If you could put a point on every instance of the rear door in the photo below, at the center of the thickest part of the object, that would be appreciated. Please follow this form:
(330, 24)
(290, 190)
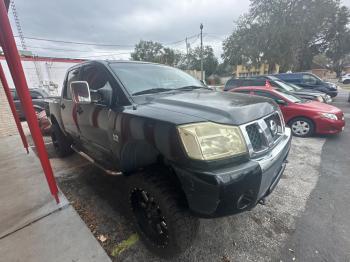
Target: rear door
(68, 107)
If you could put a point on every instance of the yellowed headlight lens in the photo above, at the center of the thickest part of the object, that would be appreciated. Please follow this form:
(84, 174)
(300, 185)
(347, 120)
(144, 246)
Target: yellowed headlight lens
(208, 141)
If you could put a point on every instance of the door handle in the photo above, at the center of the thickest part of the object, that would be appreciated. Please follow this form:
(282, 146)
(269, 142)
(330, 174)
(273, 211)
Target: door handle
(79, 110)
(63, 106)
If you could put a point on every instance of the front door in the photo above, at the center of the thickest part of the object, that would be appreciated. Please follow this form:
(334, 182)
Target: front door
(68, 107)
(95, 119)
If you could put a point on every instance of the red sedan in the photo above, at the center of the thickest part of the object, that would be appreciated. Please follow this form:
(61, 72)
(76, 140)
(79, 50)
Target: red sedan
(305, 117)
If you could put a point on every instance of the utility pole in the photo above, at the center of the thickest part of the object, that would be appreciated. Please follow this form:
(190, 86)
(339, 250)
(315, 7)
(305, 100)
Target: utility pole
(201, 27)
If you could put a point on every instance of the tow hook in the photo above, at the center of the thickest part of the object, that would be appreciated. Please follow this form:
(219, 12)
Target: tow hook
(262, 201)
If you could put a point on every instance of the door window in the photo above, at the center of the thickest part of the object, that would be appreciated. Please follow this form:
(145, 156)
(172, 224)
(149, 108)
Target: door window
(265, 94)
(309, 79)
(99, 83)
(73, 75)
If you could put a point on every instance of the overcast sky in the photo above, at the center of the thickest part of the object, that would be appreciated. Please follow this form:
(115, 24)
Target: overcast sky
(124, 23)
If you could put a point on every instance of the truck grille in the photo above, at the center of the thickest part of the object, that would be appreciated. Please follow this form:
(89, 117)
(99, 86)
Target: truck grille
(256, 137)
(264, 133)
(274, 124)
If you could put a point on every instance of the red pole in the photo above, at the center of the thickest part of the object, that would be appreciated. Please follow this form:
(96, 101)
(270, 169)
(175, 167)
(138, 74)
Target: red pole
(14, 62)
(13, 108)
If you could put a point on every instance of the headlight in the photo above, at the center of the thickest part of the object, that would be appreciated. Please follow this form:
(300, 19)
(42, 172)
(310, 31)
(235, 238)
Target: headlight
(329, 116)
(208, 141)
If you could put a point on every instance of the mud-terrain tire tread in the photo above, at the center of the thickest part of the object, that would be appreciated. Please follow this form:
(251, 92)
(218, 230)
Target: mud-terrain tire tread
(186, 225)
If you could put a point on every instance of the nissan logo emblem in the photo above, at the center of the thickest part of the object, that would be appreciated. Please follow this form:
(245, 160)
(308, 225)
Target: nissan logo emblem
(273, 127)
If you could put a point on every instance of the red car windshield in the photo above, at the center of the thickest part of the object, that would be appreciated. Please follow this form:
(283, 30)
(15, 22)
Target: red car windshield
(290, 97)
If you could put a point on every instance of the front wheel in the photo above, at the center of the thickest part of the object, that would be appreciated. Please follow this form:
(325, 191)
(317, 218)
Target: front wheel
(164, 225)
(302, 127)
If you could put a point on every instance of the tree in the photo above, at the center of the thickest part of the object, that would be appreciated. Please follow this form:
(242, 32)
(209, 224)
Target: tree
(147, 51)
(224, 69)
(210, 62)
(285, 32)
(337, 40)
(155, 52)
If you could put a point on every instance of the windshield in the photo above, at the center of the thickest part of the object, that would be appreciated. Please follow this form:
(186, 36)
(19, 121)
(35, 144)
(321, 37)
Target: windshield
(295, 86)
(139, 77)
(285, 86)
(289, 96)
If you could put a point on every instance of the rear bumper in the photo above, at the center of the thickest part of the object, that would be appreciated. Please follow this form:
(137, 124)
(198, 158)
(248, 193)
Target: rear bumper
(235, 189)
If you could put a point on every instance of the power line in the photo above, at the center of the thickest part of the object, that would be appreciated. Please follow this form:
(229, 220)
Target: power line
(183, 40)
(69, 50)
(98, 44)
(112, 54)
(73, 42)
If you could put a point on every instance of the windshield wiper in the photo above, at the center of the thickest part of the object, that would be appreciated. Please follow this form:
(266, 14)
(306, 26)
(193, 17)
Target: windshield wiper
(185, 88)
(152, 91)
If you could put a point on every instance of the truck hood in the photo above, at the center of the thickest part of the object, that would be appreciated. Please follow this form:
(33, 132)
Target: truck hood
(219, 107)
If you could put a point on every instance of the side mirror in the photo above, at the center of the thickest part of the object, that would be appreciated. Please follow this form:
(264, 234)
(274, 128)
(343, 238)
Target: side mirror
(80, 92)
(281, 102)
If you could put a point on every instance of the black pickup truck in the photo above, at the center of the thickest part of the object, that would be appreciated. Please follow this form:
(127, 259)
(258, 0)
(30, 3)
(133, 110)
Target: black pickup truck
(187, 151)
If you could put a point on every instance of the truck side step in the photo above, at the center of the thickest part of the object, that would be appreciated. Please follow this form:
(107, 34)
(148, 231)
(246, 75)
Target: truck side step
(90, 159)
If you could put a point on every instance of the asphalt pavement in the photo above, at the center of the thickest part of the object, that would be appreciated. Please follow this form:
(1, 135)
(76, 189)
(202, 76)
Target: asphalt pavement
(323, 231)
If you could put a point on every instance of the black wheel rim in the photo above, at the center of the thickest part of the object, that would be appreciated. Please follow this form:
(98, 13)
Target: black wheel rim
(149, 217)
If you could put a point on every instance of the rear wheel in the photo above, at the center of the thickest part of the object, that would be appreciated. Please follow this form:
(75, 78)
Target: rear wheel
(302, 127)
(164, 225)
(60, 142)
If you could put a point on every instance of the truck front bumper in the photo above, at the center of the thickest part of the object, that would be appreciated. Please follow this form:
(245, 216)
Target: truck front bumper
(237, 188)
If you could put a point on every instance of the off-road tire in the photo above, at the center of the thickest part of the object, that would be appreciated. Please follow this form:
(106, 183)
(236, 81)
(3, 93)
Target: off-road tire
(305, 120)
(61, 143)
(181, 228)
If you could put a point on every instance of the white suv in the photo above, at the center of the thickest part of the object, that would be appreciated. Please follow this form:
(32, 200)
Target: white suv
(345, 79)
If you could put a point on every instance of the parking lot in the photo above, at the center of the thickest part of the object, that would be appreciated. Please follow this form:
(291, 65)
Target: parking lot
(305, 219)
